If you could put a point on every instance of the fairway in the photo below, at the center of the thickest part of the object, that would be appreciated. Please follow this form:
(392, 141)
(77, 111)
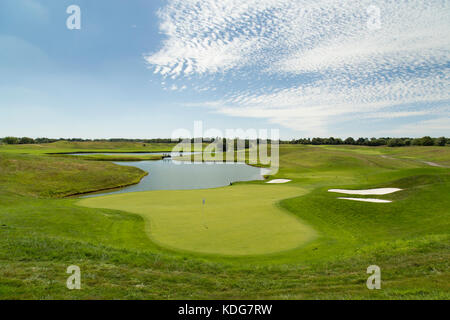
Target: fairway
(238, 220)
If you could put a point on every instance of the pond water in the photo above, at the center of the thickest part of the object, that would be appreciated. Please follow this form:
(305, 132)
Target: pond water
(179, 175)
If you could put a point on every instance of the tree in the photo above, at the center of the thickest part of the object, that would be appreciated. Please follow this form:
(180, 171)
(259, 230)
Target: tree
(427, 141)
(11, 140)
(360, 141)
(43, 140)
(317, 141)
(441, 141)
(349, 140)
(376, 142)
(26, 140)
(224, 145)
(395, 142)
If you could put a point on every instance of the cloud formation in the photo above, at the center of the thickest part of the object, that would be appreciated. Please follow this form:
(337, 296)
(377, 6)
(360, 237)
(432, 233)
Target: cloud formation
(338, 59)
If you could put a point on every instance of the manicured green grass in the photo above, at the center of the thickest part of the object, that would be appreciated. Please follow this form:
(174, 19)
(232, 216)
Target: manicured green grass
(41, 235)
(243, 220)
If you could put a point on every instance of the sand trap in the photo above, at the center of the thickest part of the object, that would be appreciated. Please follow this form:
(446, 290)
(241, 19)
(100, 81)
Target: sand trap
(367, 200)
(279, 181)
(381, 191)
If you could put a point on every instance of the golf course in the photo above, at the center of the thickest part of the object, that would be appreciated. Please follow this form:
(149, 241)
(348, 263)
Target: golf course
(307, 235)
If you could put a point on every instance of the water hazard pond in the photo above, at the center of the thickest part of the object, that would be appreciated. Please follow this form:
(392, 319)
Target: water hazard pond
(169, 174)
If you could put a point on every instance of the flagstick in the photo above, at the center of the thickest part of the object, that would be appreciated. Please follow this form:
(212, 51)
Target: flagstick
(203, 214)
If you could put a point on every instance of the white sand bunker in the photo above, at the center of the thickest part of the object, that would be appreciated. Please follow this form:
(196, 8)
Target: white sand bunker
(279, 181)
(379, 192)
(367, 200)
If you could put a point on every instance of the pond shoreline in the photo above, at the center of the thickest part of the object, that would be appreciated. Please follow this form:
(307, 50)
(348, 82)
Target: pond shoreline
(146, 171)
(80, 194)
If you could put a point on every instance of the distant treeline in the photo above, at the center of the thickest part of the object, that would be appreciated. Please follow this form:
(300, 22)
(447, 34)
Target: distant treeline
(223, 143)
(26, 140)
(390, 142)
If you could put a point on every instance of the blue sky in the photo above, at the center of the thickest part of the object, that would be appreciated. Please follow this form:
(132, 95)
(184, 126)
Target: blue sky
(142, 69)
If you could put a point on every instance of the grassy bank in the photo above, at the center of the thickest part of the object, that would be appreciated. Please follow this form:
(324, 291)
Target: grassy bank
(115, 158)
(46, 176)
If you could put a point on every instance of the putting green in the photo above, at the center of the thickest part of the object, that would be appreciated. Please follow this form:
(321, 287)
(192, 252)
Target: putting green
(237, 220)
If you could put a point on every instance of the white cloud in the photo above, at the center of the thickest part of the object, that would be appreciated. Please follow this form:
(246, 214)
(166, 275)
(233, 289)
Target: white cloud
(432, 127)
(358, 72)
(312, 108)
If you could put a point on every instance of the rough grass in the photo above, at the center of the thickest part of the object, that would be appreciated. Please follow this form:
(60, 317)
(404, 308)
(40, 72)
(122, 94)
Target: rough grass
(76, 147)
(409, 239)
(45, 176)
(62, 147)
